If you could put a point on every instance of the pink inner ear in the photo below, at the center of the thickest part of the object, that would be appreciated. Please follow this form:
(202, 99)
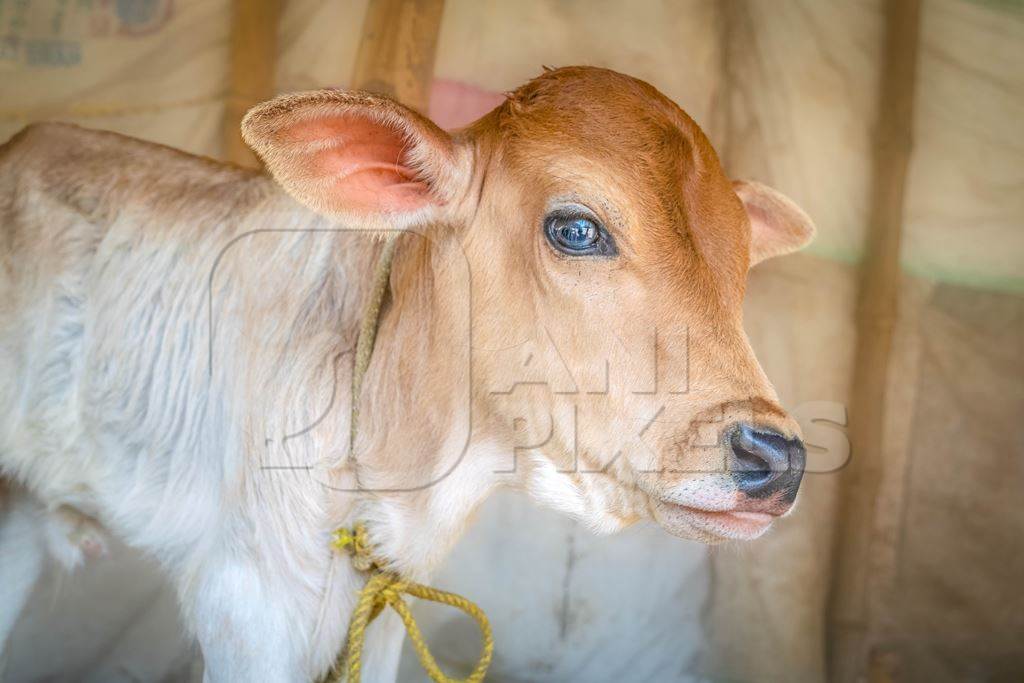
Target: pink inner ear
(777, 225)
(763, 224)
(364, 165)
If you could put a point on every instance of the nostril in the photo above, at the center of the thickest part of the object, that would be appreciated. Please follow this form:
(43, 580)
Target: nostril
(760, 458)
(749, 465)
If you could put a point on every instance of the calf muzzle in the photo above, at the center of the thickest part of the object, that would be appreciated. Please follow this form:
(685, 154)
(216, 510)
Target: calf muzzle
(764, 463)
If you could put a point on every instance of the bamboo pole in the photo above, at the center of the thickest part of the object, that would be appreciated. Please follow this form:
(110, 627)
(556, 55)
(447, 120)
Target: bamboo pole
(253, 57)
(877, 311)
(397, 50)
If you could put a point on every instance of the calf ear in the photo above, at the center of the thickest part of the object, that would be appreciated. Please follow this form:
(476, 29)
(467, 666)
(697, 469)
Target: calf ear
(777, 225)
(355, 155)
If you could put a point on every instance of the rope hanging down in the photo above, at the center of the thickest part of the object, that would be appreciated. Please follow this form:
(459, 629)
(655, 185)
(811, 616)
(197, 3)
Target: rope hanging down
(384, 588)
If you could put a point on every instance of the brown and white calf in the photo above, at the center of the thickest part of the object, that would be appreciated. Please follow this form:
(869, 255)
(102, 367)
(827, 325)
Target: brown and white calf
(564, 317)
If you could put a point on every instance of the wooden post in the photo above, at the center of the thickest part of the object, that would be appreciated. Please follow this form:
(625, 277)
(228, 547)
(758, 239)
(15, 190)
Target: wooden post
(253, 55)
(877, 310)
(397, 50)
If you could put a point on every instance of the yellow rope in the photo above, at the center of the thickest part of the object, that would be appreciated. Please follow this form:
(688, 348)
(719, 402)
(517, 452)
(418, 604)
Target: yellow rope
(368, 329)
(384, 589)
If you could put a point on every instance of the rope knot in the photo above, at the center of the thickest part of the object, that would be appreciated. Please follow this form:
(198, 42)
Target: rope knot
(356, 543)
(385, 589)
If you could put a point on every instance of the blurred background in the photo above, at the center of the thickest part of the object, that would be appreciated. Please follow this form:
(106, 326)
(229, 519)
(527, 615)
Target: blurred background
(897, 337)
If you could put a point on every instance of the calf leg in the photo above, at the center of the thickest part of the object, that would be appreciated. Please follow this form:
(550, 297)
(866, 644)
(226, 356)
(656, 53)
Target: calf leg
(383, 648)
(249, 627)
(22, 554)
(254, 624)
(28, 534)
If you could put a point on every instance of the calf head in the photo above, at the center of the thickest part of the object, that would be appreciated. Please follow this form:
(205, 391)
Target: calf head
(609, 254)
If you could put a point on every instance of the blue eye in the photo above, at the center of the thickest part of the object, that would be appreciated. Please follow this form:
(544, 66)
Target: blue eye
(578, 235)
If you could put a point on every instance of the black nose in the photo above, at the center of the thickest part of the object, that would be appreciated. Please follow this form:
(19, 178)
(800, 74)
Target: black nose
(764, 463)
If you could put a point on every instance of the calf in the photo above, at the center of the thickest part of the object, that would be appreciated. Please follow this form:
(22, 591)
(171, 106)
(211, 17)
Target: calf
(563, 317)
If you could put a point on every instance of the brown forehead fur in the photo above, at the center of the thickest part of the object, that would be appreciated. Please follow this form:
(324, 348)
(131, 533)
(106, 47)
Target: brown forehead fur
(694, 230)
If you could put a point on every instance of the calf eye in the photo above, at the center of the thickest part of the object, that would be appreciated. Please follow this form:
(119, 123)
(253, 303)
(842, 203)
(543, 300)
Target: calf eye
(578, 234)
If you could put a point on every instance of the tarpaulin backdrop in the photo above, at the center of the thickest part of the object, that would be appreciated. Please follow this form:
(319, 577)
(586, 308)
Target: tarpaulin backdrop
(787, 91)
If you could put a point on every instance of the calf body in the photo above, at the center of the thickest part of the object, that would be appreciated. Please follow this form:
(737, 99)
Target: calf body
(115, 251)
(177, 340)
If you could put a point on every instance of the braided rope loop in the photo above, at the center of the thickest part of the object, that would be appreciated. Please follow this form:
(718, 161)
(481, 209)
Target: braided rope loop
(384, 589)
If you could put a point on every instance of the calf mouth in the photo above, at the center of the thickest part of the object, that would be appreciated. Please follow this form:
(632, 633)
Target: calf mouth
(739, 525)
(743, 522)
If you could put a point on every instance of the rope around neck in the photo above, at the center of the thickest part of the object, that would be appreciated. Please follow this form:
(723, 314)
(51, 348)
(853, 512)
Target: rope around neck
(383, 588)
(368, 331)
